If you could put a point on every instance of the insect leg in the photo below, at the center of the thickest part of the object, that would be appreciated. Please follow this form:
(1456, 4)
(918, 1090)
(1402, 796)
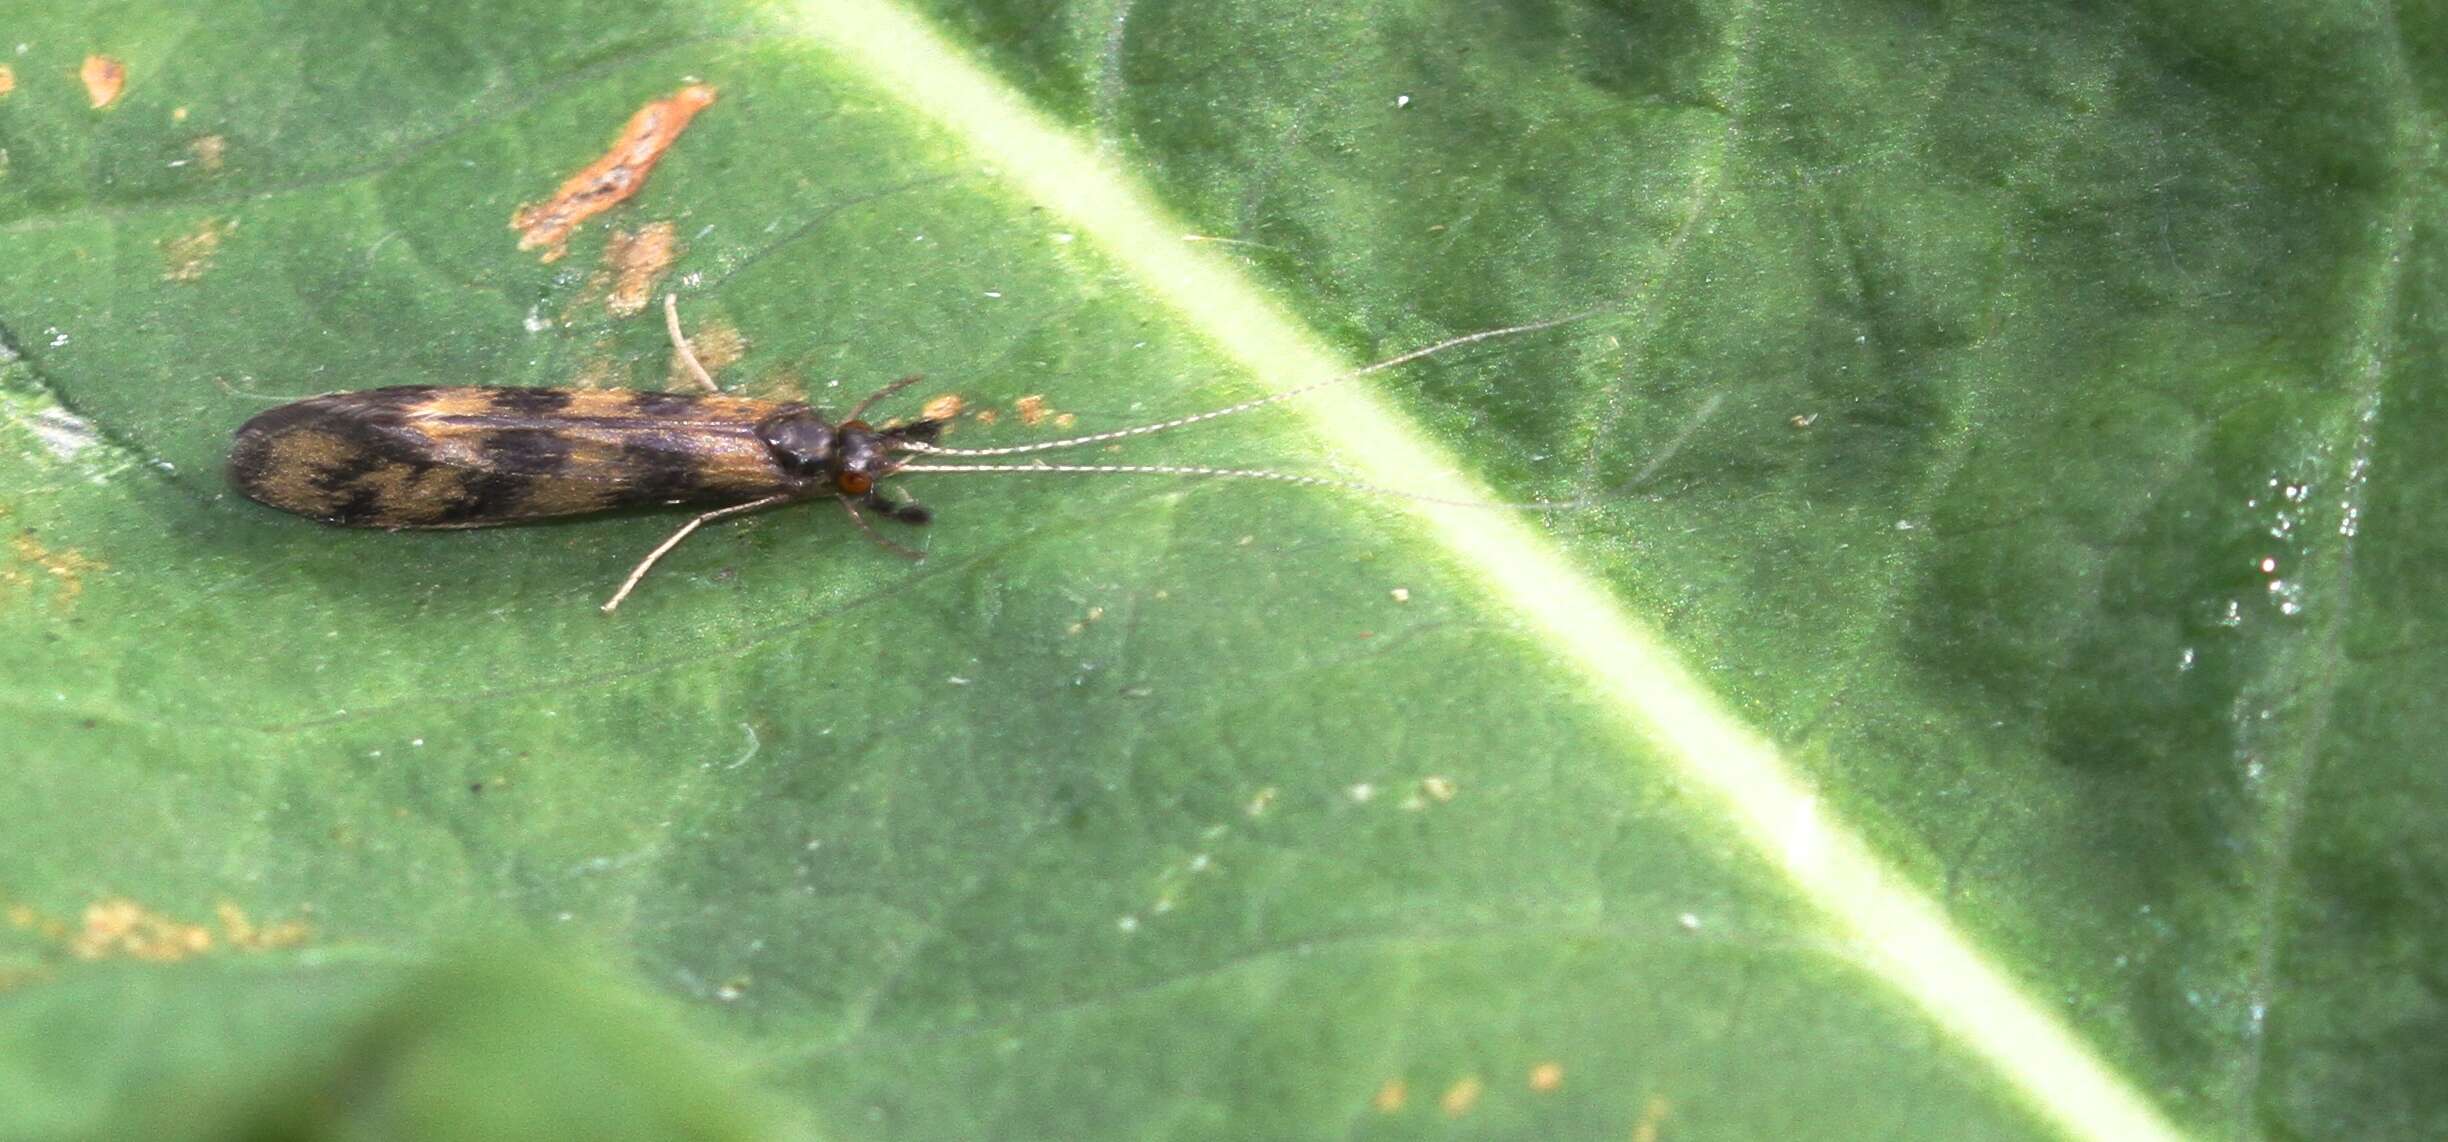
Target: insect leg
(881, 393)
(688, 356)
(652, 557)
(852, 506)
(899, 511)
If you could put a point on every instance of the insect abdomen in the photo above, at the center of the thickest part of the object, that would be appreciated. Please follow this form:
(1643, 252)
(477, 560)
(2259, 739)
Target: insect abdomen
(425, 456)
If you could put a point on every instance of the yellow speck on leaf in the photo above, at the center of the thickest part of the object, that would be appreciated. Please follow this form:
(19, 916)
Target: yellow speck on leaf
(1391, 1096)
(190, 254)
(8, 79)
(1462, 1096)
(244, 933)
(68, 567)
(208, 151)
(103, 77)
(119, 928)
(1032, 409)
(1652, 1117)
(25, 919)
(1547, 1078)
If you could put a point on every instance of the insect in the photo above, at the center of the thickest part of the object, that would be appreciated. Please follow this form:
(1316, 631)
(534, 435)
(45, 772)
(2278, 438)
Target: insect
(428, 456)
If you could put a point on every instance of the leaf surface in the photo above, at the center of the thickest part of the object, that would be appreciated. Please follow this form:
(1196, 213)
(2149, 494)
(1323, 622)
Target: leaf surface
(1989, 699)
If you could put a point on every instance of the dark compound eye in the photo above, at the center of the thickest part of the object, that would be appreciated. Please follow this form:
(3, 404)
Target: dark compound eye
(801, 443)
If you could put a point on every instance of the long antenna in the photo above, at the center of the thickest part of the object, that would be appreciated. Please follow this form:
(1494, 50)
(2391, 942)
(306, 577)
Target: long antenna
(1707, 409)
(1245, 474)
(1257, 403)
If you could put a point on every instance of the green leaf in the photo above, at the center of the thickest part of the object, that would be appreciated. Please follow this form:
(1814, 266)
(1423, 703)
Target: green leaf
(1989, 700)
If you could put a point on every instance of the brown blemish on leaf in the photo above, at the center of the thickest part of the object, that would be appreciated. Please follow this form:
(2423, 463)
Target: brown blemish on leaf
(103, 77)
(612, 179)
(637, 261)
(988, 416)
(943, 407)
(1066, 420)
(1032, 409)
(719, 346)
(68, 566)
(8, 79)
(190, 254)
(1461, 1097)
(1547, 1078)
(1390, 1096)
(208, 151)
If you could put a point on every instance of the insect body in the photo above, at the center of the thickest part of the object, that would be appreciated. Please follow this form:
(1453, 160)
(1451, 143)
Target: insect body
(434, 457)
(424, 456)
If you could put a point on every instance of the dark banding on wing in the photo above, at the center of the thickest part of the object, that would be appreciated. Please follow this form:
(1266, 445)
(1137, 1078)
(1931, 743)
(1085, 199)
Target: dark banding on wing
(531, 402)
(501, 490)
(666, 404)
(490, 497)
(657, 474)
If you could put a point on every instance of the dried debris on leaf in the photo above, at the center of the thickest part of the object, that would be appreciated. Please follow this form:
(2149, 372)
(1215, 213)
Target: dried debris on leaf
(612, 179)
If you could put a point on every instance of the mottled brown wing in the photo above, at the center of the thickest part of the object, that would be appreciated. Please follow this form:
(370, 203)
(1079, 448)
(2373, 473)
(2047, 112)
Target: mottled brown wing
(428, 456)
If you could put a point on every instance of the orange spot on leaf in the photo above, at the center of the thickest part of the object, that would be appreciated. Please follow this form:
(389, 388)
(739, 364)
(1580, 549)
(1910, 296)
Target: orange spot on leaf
(103, 77)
